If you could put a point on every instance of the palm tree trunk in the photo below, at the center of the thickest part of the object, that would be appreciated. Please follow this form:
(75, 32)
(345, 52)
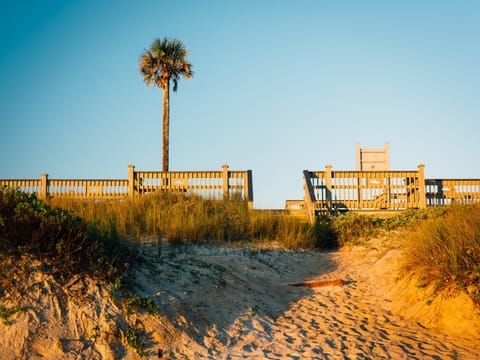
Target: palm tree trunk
(166, 125)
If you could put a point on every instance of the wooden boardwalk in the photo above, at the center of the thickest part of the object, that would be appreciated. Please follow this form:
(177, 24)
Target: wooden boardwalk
(379, 191)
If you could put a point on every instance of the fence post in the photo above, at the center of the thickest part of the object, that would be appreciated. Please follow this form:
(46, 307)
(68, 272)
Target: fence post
(249, 189)
(131, 181)
(44, 186)
(309, 196)
(225, 181)
(328, 184)
(422, 194)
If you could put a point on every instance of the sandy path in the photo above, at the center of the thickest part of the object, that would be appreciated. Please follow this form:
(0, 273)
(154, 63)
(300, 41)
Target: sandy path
(223, 303)
(255, 314)
(349, 322)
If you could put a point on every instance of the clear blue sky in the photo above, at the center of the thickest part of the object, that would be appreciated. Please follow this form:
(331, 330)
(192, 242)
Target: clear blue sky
(280, 86)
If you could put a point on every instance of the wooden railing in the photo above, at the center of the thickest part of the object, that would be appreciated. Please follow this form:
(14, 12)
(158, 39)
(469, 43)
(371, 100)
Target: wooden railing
(87, 189)
(309, 197)
(452, 191)
(26, 185)
(338, 191)
(215, 185)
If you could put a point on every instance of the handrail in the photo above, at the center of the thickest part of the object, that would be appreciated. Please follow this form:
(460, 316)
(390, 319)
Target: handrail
(309, 196)
(333, 191)
(216, 185)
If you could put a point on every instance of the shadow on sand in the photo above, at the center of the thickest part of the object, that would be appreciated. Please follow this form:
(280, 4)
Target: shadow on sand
(207, 290)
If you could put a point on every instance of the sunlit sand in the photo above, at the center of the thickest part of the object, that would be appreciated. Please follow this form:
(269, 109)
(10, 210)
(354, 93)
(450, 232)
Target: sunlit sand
(218, 302)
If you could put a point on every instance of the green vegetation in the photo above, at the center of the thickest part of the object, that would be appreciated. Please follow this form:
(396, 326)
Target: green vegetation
(63, 240)
(442, 244)
(179, 218)
(444, 251)
(355, 229)
(6, 313)
(165, 60)
(136, 303)
(133, 335)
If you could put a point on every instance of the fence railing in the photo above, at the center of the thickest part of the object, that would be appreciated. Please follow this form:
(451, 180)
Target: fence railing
(26, 185)
(452, 191)
(215, 185)
(332, 191)
(88, 189)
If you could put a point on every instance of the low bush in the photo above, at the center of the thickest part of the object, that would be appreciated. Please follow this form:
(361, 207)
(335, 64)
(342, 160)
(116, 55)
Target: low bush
(413, 216)
(29, 225)
(354, 229)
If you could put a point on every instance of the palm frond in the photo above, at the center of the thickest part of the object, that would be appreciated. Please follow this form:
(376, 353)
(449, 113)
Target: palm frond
(165, 60)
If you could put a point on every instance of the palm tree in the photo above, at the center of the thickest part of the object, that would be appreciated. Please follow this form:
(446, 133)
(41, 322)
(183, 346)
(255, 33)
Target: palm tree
(165, 60)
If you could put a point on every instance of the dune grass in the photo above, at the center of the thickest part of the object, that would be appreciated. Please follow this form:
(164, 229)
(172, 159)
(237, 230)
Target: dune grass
(445, 251)
(442, 245)
(169, 216)
(179, 218)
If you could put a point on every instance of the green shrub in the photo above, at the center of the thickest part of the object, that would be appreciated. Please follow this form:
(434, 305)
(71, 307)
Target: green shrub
(29, 225)
(133, 335)
(136, 303)
(325, 234)
(413, 216)
(353, 229)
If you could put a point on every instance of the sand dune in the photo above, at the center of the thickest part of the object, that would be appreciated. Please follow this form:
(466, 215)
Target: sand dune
(256, 314)
(224, 303)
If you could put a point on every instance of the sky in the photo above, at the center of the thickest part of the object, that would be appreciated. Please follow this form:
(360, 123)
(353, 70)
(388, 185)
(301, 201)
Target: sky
(280, 86)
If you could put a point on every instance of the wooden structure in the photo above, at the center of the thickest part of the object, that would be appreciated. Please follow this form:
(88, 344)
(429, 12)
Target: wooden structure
(452, 191)
(374, 191)
(217, 185)
(373, 159)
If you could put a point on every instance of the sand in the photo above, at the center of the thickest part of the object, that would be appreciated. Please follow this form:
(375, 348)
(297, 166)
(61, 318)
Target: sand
(230, 303)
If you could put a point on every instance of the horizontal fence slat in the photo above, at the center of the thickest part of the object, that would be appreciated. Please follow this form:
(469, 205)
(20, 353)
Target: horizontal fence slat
(384, 190)
(364, 190)
(216, 185)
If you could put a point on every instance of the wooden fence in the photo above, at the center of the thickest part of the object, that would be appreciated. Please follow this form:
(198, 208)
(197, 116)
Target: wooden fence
(338, 191)
(215, 185)
(450, 191)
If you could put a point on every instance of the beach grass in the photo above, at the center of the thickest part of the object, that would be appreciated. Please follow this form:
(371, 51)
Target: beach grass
(441, 244)
(444, 251)
(179, 218)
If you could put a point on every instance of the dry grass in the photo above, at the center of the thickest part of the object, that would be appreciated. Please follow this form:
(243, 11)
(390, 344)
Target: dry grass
(445, 251)
(442, 244)
(178, 218)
